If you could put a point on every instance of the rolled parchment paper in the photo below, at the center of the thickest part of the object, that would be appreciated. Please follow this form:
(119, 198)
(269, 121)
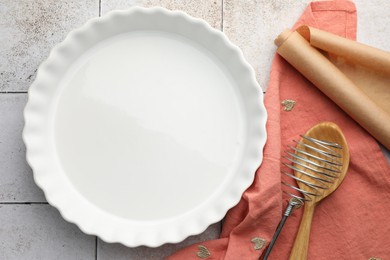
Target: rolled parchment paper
(356, 53)
(367, 67)
(324, 74)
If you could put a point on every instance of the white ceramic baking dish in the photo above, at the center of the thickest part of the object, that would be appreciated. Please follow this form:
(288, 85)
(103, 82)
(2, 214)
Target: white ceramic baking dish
(144, 126)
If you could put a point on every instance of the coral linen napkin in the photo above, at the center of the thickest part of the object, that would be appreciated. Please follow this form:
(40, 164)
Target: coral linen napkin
(353, 223)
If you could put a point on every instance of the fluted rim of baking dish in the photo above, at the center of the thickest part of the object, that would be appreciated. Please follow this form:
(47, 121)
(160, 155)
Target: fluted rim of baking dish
(73, 207)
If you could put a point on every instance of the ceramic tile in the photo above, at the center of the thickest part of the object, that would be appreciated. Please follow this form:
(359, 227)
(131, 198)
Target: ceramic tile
(118, 252)
(209, 10)
(16, 179)
(373, 23)
(29, 29)
(38, 232)
(253, 26)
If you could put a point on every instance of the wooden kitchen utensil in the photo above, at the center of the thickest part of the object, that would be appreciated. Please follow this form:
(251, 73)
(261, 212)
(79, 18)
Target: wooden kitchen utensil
(333, 134)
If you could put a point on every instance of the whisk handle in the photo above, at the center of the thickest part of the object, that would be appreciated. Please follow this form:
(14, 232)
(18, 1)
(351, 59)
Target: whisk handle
(276, 235)
(301, 244)
(292, 204)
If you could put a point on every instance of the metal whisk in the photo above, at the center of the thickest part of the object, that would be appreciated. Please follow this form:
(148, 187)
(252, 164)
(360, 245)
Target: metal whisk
(316, 167)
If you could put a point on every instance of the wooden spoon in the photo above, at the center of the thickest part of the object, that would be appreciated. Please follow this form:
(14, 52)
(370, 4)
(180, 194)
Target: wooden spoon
(323, 131)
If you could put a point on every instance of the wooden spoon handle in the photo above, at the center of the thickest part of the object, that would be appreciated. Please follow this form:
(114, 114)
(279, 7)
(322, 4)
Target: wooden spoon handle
(301, 244)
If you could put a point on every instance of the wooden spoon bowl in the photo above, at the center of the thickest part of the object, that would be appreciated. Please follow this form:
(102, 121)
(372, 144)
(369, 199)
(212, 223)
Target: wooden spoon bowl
(332, 133)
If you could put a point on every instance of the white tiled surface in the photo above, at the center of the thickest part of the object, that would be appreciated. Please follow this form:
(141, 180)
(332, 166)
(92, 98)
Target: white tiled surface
(29, 29)
(38, 232)
(29, 227)
(16, 180)
(253, 25)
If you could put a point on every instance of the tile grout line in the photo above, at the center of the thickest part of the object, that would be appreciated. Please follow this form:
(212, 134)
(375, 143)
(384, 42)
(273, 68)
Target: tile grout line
(96, 248)
(23, 203)
(96, 239)
(222, 15)
(13, 92)
(100, 8)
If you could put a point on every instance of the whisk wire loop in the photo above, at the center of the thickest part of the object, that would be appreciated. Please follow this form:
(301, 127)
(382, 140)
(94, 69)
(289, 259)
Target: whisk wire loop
(311, 185)
(325, 161)
(300, 190)
(302, 171)
(302, 164)
(326, 144)
(329, 153)
(316, 164)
